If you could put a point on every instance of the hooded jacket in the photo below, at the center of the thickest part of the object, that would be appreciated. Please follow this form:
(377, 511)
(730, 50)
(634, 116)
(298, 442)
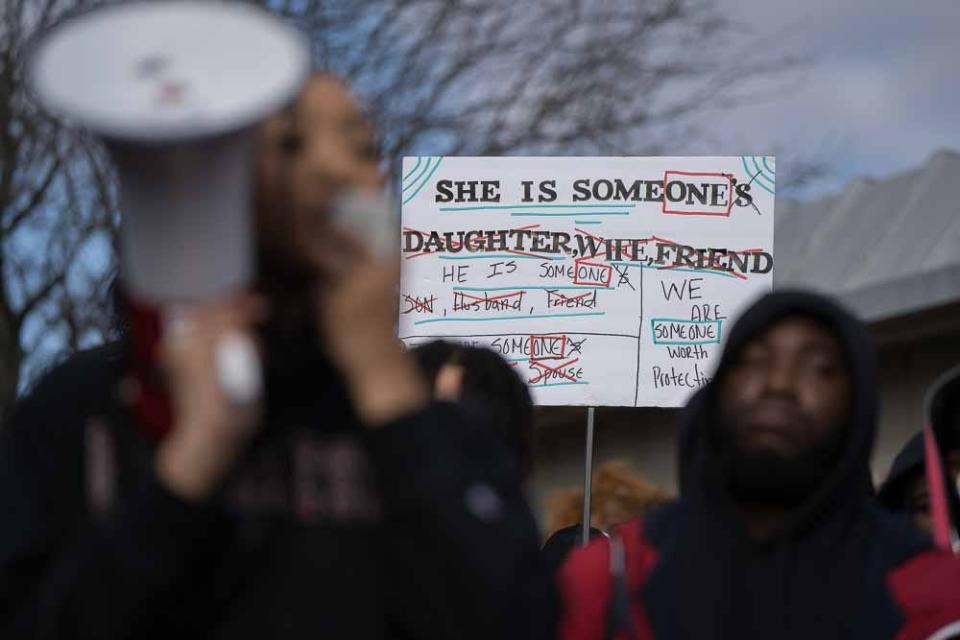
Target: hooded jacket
(908, 465)
(692, 571)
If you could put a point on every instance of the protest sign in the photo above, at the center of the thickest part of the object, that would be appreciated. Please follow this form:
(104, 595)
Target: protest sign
(604, 281)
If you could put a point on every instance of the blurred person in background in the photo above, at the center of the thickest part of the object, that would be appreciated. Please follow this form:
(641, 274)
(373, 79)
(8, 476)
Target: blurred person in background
(342, 507)
(905, 488)
(487, 388)
(617, 495)
(776, 533)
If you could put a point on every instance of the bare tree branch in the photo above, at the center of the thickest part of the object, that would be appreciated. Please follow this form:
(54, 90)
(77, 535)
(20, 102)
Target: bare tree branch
(484, 77)
(54, 197)
(36, 198)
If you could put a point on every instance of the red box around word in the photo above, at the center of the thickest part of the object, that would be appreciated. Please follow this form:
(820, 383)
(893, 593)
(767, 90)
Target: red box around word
(727, 177)
(563, 347)
(582, 262)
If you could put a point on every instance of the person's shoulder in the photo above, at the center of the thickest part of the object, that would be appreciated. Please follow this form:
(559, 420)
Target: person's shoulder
(927, 589)
(585, 588)
(83, 383)
(662, 521)
(586, 579)
(562, 542)
(927, 568)
(590, 563)
(587, 570)
(895, 537)
(85, 368)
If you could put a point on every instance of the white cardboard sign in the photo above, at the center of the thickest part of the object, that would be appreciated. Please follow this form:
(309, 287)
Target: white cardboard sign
(604, 281)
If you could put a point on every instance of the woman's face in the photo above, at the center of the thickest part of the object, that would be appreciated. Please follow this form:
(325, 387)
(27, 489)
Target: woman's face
(308, 154)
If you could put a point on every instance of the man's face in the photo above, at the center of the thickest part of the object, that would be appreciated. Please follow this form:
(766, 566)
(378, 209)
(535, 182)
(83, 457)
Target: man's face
(783, 404)
(308, 155)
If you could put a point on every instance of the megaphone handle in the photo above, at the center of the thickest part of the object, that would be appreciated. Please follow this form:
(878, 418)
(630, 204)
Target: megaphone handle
(238, 369)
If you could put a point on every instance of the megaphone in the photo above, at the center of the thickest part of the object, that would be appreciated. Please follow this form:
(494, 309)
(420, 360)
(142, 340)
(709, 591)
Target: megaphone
(175, 90)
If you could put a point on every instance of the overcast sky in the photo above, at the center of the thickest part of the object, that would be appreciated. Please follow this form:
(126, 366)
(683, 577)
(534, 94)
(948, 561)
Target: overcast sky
(880, 94)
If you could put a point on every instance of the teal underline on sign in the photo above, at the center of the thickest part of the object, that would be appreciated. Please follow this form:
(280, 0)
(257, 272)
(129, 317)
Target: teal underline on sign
(412, 171)
(684, 321)
(757, 175)
(762, 176)
(509, 256)
(674, 343)
(494, 207)
(423, 184)
(518, 288)
(589, 221)
(627, 263)
(710, 271)
(569, 215)
(420, 175)
(556, 384)
(528, 317)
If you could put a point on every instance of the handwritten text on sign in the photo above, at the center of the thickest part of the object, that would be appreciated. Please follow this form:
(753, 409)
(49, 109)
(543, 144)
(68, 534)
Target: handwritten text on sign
(604, 281)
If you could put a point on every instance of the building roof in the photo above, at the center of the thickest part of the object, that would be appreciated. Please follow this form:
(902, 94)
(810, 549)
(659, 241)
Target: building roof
(886, 247)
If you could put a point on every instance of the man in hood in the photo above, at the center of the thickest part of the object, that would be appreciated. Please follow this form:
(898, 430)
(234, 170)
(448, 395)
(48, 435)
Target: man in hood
(776, 533)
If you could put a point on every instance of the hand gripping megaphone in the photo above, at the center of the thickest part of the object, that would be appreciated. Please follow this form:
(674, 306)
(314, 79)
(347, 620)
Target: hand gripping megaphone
(175, 90)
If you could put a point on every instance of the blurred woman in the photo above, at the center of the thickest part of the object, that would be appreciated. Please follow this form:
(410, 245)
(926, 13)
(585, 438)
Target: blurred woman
(340, 507)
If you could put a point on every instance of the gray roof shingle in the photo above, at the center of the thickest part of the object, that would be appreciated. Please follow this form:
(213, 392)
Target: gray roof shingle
(886, 247)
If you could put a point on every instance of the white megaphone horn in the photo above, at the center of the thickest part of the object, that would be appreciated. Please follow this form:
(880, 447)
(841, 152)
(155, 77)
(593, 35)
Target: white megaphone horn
(175, 90)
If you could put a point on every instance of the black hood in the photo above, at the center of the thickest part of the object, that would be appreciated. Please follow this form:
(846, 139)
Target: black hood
(849, 482)
(943, 409)
(907, 465)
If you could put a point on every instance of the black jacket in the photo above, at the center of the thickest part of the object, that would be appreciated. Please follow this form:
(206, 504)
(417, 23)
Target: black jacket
(418, 529)
(824, 574)
(908, 465)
